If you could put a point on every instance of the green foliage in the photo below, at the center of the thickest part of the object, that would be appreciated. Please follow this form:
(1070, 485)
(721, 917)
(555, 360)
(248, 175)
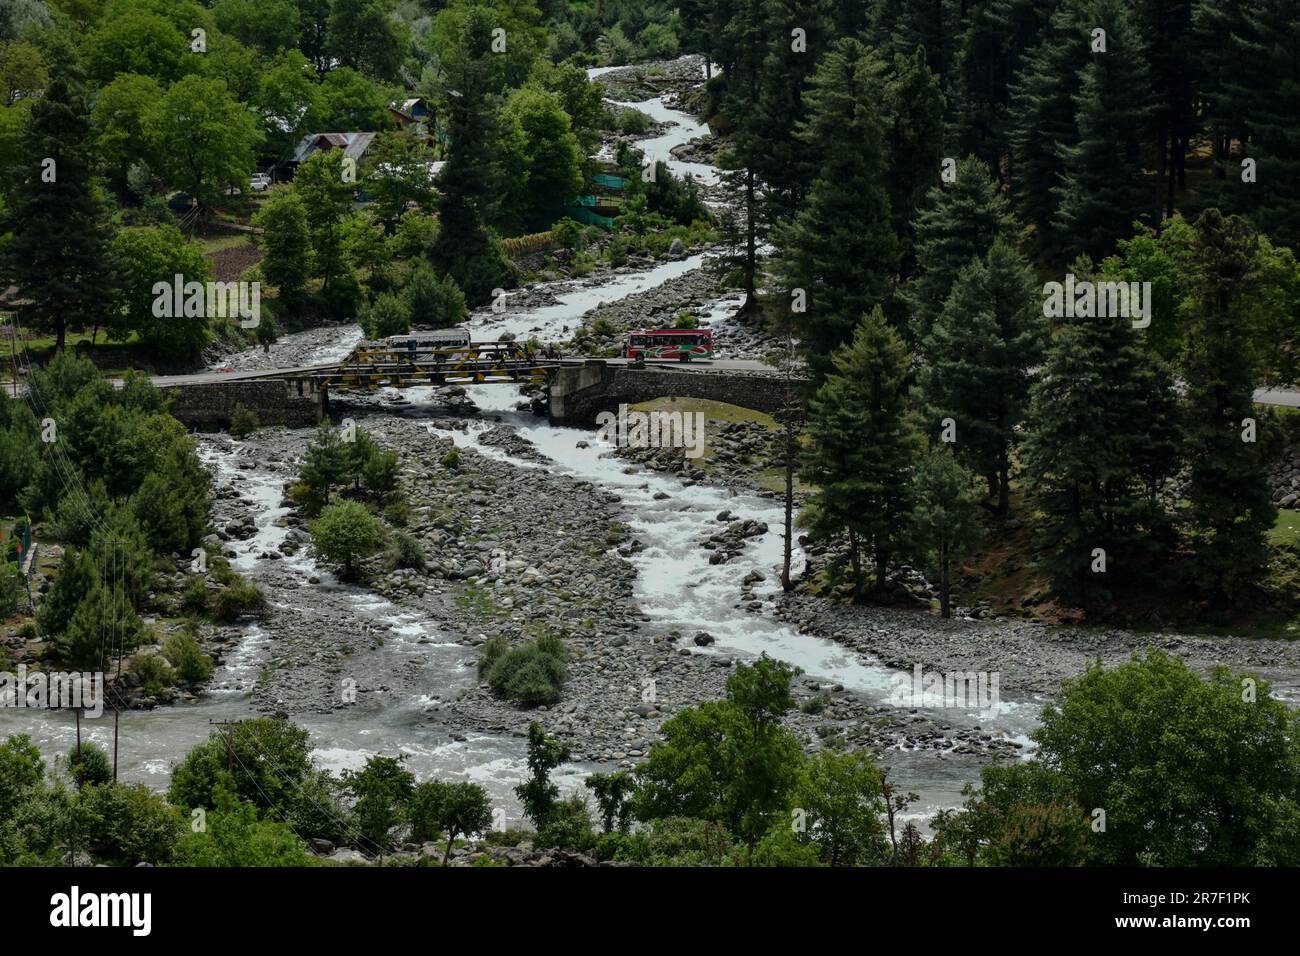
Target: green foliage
(945, 521)
(960, 222)
(144, 257)
(433, 301)
(530, 674)
(541, 158)
(386, 315)
(382, 792)
(453, 809)
(840, 249)
(407, 552)
(1190, 772)
(1231, 510)
(237, 598)
(89, 764)
(58, 254)
(271, 761)
(981, 351)
(670, 841)
(730, 761)
(1102, 438)
(613, 792)
(345, 533)
(243, 421)
(204, 139)
(182, 651)
(126, 824)
(842, 800)
(12, 591)
(862, 446)
(568, 826)
(103, 626)
(1104, 186)
(154, 673)
(537, 793)
(326, 199)
(235, 835)
(285, 242)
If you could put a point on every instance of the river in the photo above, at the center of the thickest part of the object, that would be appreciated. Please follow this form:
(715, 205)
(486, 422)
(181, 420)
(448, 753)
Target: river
(676, 586)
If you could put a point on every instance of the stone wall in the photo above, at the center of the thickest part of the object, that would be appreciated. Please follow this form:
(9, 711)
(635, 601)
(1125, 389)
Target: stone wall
(296, 403)
(579, 393)
(1284, 479)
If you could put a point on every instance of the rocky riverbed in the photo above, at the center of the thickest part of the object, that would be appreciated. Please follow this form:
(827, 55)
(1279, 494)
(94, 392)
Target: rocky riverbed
(512, 551)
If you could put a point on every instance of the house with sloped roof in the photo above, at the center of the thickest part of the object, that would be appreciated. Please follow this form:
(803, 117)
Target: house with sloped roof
(354, 146)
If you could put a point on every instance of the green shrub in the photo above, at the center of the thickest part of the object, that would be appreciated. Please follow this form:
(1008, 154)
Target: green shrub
(568, 233)
(11, 588)
(154, 673)
(568, 826)
(182, 651)
(633, 122)
(243, 421)
(89, 765)
(237, 599)
(407, 552)
(346, 533)
(194, 597)
(387, 315)
(617, 252)
(530, 674)
(493, 651)
(670, 841)
(431, 300)
(126, 824)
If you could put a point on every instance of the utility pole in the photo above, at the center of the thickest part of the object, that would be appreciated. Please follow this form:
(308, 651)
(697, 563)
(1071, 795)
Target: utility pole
(225, 726)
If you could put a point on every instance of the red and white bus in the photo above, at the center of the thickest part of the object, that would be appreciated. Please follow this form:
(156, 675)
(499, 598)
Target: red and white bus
(681, 345)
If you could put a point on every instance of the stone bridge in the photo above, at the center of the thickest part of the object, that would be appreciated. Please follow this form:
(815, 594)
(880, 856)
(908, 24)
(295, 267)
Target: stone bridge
(578, 393)
(578, 390)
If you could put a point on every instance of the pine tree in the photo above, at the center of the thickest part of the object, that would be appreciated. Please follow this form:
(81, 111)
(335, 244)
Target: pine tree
(58, 257)
(989, 52)
(960, 222)
(914, 144)
(841, 250)
(463, 247)
(862, 447)
(899, 26)
(1231, 510)
(1219, 28)
(1042, 123)
(1104, 187)
(981, 352)
(1166, 26)
(1273, 117)
(748, 35)
(785, 165)
(945, 522)
(1101, 444)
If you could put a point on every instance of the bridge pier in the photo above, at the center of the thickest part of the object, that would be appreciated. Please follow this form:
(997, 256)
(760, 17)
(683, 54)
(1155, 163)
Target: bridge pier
(296, 402)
